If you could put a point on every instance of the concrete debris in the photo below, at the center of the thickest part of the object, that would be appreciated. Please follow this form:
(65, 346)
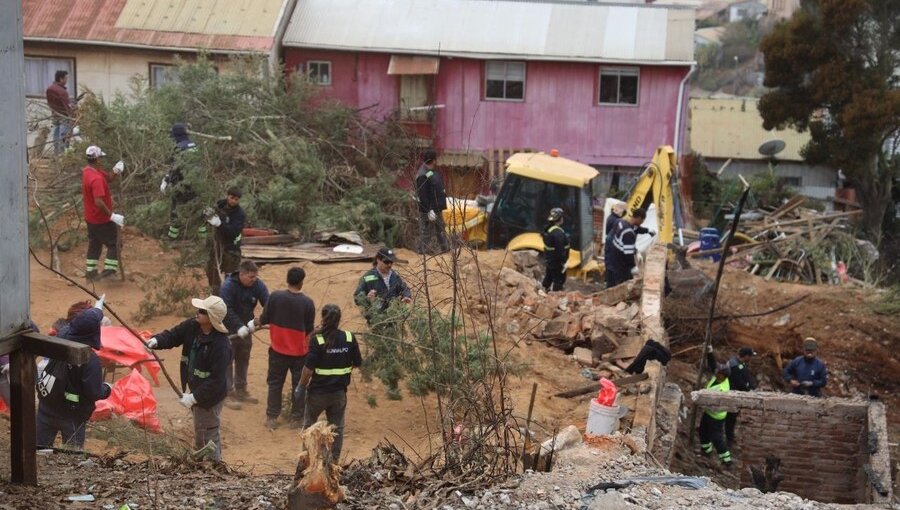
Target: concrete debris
(782, 321)
(567, 438)
(590, 325)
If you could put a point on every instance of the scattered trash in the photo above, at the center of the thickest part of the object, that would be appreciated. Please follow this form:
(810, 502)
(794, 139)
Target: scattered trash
(86, 498)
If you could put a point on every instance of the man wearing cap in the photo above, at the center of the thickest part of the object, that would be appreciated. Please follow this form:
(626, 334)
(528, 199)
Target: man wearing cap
(380, 285)
(556, 251)
(242, 292)
(102, 223)
(712, 423)
(739, 379)
(333, 354)
(432, 202)
(620, 248)
(807, 374)
(205, 354)
(228, 219)
(184, 157)
(84, 386)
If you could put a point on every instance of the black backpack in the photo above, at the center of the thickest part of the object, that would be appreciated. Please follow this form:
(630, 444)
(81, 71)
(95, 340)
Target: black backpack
(53, 383)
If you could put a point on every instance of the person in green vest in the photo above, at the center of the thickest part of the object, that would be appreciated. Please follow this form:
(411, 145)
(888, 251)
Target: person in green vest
(712, 424)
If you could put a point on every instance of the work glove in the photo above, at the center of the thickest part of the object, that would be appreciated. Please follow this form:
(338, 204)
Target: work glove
(652, 233)
(163, 185)
(215, 221)
(188, 400)
(152, 343)
(244, 332)
(99, 304)
(709, 348)
(251, 325)
(432, 216)
(806, 383)
(108, 386)
(118, 219)
(119, 167)
(635, 271)
(4, 369)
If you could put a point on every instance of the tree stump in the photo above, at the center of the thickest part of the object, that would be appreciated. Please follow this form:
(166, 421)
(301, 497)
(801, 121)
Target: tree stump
(317, 479)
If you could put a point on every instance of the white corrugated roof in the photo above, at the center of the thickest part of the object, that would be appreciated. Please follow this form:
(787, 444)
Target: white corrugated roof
(533, 30)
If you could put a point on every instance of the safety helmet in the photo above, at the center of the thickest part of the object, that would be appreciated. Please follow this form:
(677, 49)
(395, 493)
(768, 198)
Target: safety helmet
(556, 214)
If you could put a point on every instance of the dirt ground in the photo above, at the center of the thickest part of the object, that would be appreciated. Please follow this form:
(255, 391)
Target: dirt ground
(247, 442)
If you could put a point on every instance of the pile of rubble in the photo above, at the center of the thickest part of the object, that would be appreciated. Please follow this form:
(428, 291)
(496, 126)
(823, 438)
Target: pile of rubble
(597, 328)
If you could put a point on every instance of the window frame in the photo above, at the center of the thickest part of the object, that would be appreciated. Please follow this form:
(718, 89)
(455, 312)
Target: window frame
(317, 80)
(505, 99)
(71, 85)
(619, 71)
(151, 65)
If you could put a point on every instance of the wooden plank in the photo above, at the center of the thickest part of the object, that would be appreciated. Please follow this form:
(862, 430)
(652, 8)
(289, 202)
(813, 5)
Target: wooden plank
(584, 390)
(10, 344)
(315, 252)
(22, 427)
(789, 206)
(56, 348)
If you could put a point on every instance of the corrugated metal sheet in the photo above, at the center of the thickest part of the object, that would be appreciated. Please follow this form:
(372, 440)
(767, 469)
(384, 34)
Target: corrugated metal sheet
(598, 32)
(217, 25)
(732, 128)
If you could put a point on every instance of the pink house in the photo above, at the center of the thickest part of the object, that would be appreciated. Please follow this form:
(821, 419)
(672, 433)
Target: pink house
(603, 83)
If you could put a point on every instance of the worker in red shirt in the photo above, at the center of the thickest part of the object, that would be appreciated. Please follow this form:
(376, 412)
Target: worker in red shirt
(102, 223)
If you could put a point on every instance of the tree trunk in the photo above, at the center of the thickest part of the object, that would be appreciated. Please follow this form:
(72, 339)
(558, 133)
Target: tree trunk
(873, 187)
(317, 479)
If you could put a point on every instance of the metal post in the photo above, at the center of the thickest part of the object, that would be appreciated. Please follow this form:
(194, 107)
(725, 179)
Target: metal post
(14, 234)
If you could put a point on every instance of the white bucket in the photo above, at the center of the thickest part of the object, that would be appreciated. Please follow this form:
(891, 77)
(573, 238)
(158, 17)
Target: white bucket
(602, 420)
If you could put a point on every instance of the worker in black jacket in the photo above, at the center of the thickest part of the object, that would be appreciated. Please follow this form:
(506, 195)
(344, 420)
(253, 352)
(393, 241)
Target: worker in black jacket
(332, 356)
(84, 386)
(620, 248)
(739, 379)
(228, 218)
(432, 202)
(556, 251)
(205, 354)
(184, 158)
(380, 285)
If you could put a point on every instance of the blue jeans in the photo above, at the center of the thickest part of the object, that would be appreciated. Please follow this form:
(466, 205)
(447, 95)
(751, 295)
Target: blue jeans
(61, 130)
(49, 425)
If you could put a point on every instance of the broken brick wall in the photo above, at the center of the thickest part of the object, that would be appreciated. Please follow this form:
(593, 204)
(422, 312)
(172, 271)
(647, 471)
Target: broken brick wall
(823, 443)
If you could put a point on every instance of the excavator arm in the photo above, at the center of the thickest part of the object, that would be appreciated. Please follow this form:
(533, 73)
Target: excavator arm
(655, 185)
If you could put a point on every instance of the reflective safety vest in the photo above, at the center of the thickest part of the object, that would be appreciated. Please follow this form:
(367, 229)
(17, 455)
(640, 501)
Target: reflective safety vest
(723, 387)
(334, 371)
(549, 231)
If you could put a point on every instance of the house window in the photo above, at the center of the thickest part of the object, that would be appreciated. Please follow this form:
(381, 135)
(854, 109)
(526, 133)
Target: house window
(619, 85)
(161, 74)
(40, 71)
(319, 72)
(505, 81)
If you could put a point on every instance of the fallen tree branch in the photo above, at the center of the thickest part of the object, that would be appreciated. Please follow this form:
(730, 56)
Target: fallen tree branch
(114, 314)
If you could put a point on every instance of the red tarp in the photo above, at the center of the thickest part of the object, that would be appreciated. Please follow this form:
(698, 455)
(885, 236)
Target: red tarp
(122, 348)
(131, 397)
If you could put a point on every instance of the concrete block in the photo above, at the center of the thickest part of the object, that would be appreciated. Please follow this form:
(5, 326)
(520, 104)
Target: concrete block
(583, 356)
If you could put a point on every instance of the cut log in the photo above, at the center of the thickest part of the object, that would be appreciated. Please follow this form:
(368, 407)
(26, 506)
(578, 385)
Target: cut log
(317, 480)
(584, 390)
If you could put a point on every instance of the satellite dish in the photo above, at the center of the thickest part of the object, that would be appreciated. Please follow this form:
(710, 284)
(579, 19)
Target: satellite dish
(771, 148)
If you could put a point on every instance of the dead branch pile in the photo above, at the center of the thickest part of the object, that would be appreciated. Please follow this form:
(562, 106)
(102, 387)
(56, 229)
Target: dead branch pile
(800, 245)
